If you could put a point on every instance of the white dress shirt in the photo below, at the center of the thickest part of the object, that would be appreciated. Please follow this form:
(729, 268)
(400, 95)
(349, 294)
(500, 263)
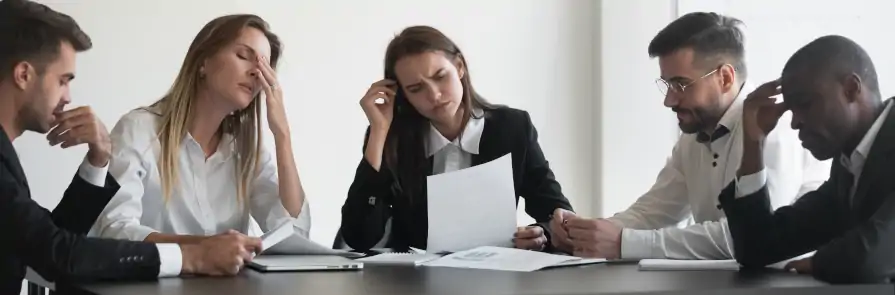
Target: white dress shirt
(205, 201)
(457, 154)
(854, 163)
(691, 181)
(171, 259)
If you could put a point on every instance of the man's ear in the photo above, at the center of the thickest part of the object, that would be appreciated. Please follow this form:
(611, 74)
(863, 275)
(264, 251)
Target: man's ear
(461, 67)
(853, 88)
(23, 73)
(728, 77)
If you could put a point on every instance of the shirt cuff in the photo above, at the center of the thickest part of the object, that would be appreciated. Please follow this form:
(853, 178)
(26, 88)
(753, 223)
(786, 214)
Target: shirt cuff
(93, 175)
(638, 243)
(171, 260)
(749, 184)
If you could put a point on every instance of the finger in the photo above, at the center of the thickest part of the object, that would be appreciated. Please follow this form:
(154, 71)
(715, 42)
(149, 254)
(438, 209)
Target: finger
(265, 85)
(269, 75)
(384, 83)
(380, 91)
(232, 232)
(76, 112)
(529, 232)
(530, 244)
(246, 255)
(253, 244)
(68, 124)
(580, 223)
(74, 137)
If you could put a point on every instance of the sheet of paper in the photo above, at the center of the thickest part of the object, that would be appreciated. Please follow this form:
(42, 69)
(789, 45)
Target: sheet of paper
(287, 240)
(499, 258)
(472, 207)
(671, 264)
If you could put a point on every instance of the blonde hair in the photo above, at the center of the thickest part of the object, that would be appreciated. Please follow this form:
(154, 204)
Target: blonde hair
(177, 106)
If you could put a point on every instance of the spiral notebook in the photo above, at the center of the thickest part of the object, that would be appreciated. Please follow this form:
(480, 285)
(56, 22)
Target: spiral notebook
(415, 257)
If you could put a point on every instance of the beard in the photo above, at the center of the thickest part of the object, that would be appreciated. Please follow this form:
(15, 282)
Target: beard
(33, 116)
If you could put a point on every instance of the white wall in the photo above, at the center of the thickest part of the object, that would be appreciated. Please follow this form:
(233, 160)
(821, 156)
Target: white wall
(635, 130)
(531, 54)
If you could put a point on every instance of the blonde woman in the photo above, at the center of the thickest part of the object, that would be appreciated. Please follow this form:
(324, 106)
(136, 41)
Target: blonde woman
(192, 165)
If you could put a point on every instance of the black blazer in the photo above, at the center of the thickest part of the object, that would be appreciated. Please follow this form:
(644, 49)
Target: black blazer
(854, 239)
(53, 244)
(506, 131)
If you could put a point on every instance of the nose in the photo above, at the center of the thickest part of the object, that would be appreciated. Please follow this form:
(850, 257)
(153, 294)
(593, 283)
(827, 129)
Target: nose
(66, 98)
(796, 122)
(434, 94)
(671, 100)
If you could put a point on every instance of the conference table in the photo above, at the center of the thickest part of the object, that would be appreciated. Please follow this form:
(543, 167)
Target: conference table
(609, 278)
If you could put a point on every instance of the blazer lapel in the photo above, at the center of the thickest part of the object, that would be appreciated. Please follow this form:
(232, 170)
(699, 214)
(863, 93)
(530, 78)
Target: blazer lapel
(876, 164)
(10, 159)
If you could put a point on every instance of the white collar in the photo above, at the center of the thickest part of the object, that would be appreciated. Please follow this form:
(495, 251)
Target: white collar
(468, 141)
(862, 151)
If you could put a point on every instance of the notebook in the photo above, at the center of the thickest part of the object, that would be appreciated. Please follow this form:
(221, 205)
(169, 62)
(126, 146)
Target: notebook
(672, 264)
(270, 263)
(414, 257)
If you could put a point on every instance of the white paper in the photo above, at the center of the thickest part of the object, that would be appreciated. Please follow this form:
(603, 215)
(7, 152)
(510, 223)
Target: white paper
(472, 207)
(507, 259)
(286, 239)
(671, 264)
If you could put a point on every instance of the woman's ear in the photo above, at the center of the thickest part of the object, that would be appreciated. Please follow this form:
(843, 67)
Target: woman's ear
(461, 67)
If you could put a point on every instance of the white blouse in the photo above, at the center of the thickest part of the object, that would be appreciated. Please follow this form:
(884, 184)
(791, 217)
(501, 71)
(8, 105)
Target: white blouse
(204, 202)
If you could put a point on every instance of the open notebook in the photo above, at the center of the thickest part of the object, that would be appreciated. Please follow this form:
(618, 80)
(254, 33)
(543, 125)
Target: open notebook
(414, 257)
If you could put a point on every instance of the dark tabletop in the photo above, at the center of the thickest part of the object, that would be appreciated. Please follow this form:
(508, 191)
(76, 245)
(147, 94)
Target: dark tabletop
(592, 279)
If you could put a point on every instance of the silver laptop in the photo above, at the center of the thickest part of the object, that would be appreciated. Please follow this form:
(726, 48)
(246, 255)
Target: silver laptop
(270, 263)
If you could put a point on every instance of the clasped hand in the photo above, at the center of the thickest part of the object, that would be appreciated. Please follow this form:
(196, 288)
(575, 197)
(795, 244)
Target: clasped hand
(585, 237)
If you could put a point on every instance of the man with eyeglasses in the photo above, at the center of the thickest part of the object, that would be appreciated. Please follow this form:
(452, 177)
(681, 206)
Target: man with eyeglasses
(703, 79)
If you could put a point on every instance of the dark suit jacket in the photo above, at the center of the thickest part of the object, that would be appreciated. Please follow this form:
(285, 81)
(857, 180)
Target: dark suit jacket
(53, 243)
(855, 240)
(506, 131)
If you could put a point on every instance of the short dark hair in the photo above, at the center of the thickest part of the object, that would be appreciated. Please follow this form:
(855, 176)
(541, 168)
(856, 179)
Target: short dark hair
(713, 38)
(33, 32)
(833, 57)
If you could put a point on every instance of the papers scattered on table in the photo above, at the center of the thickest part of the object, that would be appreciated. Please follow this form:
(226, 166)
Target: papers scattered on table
(287, 239)
(507, 259)
(671, 264)
(485, 198)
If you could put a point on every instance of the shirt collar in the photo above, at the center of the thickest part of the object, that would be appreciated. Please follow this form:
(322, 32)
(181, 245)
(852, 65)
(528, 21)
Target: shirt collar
(468, 141)
(859, 155)
(732, 116)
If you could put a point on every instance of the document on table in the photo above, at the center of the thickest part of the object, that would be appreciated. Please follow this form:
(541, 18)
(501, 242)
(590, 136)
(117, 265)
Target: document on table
(286, 239)
(472, 207)
(672, 264)
(508, 259)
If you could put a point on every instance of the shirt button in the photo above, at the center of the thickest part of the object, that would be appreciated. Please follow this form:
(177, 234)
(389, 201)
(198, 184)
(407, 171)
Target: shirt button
(716, 155)
(714, 164)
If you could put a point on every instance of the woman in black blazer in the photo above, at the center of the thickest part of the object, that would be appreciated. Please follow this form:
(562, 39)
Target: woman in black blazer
(425, 118)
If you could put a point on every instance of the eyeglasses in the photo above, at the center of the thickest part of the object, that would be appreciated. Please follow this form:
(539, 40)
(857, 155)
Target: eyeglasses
(677, 87)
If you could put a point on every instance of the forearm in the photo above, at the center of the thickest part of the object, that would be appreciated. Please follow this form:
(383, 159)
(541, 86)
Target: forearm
(703, 241)
(290, 190)
(375, 146)
(160, 238)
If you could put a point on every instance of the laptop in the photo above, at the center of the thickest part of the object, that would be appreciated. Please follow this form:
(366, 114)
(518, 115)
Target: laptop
(273, 263)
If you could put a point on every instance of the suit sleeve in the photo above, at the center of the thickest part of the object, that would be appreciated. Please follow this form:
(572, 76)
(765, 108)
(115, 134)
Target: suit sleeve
(762, 237)
(542, 193)
(57, 254)
(368, 205)
(863, 254)
(82, 204)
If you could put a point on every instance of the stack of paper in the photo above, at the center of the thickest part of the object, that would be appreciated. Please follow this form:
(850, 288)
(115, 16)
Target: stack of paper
(671, 264)
(508, 259)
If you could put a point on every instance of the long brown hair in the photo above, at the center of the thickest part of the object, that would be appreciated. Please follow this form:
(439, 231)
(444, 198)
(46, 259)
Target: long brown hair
(178, 105)
(405, 153)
